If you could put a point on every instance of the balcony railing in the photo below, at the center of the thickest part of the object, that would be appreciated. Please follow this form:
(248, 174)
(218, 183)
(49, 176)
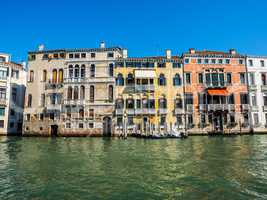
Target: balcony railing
(3, 102)
(190, 108)
(74, 102)
(163, 111)
(178, 111)
(145, 111)
(264, 87)
(254, 108)
(252, 87)
(74, 80)
(53, 86)
(54, 107)
(216, 85)
(213, 107)
(264, 108)
(245, 107)
(144, 88)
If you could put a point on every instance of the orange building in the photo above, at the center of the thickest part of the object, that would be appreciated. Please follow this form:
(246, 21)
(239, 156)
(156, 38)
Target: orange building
(215, 90)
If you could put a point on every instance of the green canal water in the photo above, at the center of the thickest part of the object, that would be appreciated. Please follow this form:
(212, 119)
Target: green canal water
(96, 168)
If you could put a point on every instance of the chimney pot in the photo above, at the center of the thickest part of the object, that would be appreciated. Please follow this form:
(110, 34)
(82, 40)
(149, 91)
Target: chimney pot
(168, 54)
(192, 51)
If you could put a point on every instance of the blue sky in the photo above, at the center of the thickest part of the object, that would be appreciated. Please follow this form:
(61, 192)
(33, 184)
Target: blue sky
(145, 27)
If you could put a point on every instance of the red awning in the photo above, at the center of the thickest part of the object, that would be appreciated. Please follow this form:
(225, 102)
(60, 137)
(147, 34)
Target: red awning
(217, 92)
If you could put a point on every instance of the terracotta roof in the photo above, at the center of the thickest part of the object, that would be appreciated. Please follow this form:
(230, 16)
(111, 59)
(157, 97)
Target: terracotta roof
(211, 53)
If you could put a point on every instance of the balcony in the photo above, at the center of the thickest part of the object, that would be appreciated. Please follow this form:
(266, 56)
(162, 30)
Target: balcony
(264, 88)
(254, 108)
(178, 111)
(145, 111)
(216, 85)
(139, 88)
(54, 107)
(202, 107)
(101, 80)
(215, 107)
(74, 102)
(245, 107)
(163, 111)
(3, 102)
(53, 86)
(252, 87)
(74, 80)
(190, 108)
(264, 108)
(119, 111)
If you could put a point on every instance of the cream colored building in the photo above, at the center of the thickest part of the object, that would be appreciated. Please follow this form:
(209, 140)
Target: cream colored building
(70, 91)
(149, 94)
(12, 90)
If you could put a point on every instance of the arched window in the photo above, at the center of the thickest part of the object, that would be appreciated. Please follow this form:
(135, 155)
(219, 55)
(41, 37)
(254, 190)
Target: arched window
(110, 93)
(92, 70)
(76, 71)
(70, 71)
(68, 111)
(69, 93)
(60, 76)
(177, 80)
(92, 93)
(162, 79)
(31, 76)
(111, 69)
(54, 76)
(130, 79)
(81, 113)
(29, 100)
(83, 71)
(82, 92)
(163, 103)
(44, 75)
(120, 80)
(76, 93)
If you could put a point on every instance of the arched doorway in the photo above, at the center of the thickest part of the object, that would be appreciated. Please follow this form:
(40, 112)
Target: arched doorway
(54, 130)
(107, 122)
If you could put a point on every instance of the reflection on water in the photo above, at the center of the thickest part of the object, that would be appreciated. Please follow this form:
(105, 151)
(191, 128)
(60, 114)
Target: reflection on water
(94, 168)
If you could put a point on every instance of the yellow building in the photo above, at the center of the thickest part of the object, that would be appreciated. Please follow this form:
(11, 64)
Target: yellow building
(149, 94)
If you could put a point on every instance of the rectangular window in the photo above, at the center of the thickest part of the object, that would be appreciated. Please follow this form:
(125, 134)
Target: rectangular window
(80, 125)
(2, 111)
(186, 61)
(110, 55)
(241, 62)
(265, 100)
(2, 123)
(242, 77)
(14, 95)
(199, 61)
(251, 78)
(231, 99)
(262, 63)
(254, 100)
(220, 61)
(68, 125)
(77, 55)
(227, 61)
(2, 93)
(71, 55)
(244, 98)
(162, 120)
(91, 114)
(92, 55)
(200, 78)
(91, 125)
(229, 78)
(213, 61)
(83, 55)
(119, 121)
(189, 98)
(188, 78)
(250, 63)
(176, 65)
(256, 118)
(190, 120)
(14, 73)
(206, 61)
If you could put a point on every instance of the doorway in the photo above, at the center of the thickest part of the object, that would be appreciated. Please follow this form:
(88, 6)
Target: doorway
(218, 122)
(54, 130)
(107, 126)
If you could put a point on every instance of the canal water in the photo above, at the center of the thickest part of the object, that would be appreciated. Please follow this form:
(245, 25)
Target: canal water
(96, 168)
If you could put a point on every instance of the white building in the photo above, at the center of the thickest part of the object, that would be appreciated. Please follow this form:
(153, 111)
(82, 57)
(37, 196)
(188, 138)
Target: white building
(257, 83)
(12, 90)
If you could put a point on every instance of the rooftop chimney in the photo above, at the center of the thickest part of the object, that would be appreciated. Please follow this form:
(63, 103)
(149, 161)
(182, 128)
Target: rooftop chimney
(192, 51)
(41, 47)
(168, 54)
(124, 53)
(102, 45)
(232, 51)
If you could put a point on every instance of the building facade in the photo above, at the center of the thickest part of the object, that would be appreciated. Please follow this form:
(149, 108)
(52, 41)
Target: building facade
(70, 92)
(149, 94)
(12, 91)
(216, 93)
(257, 82)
